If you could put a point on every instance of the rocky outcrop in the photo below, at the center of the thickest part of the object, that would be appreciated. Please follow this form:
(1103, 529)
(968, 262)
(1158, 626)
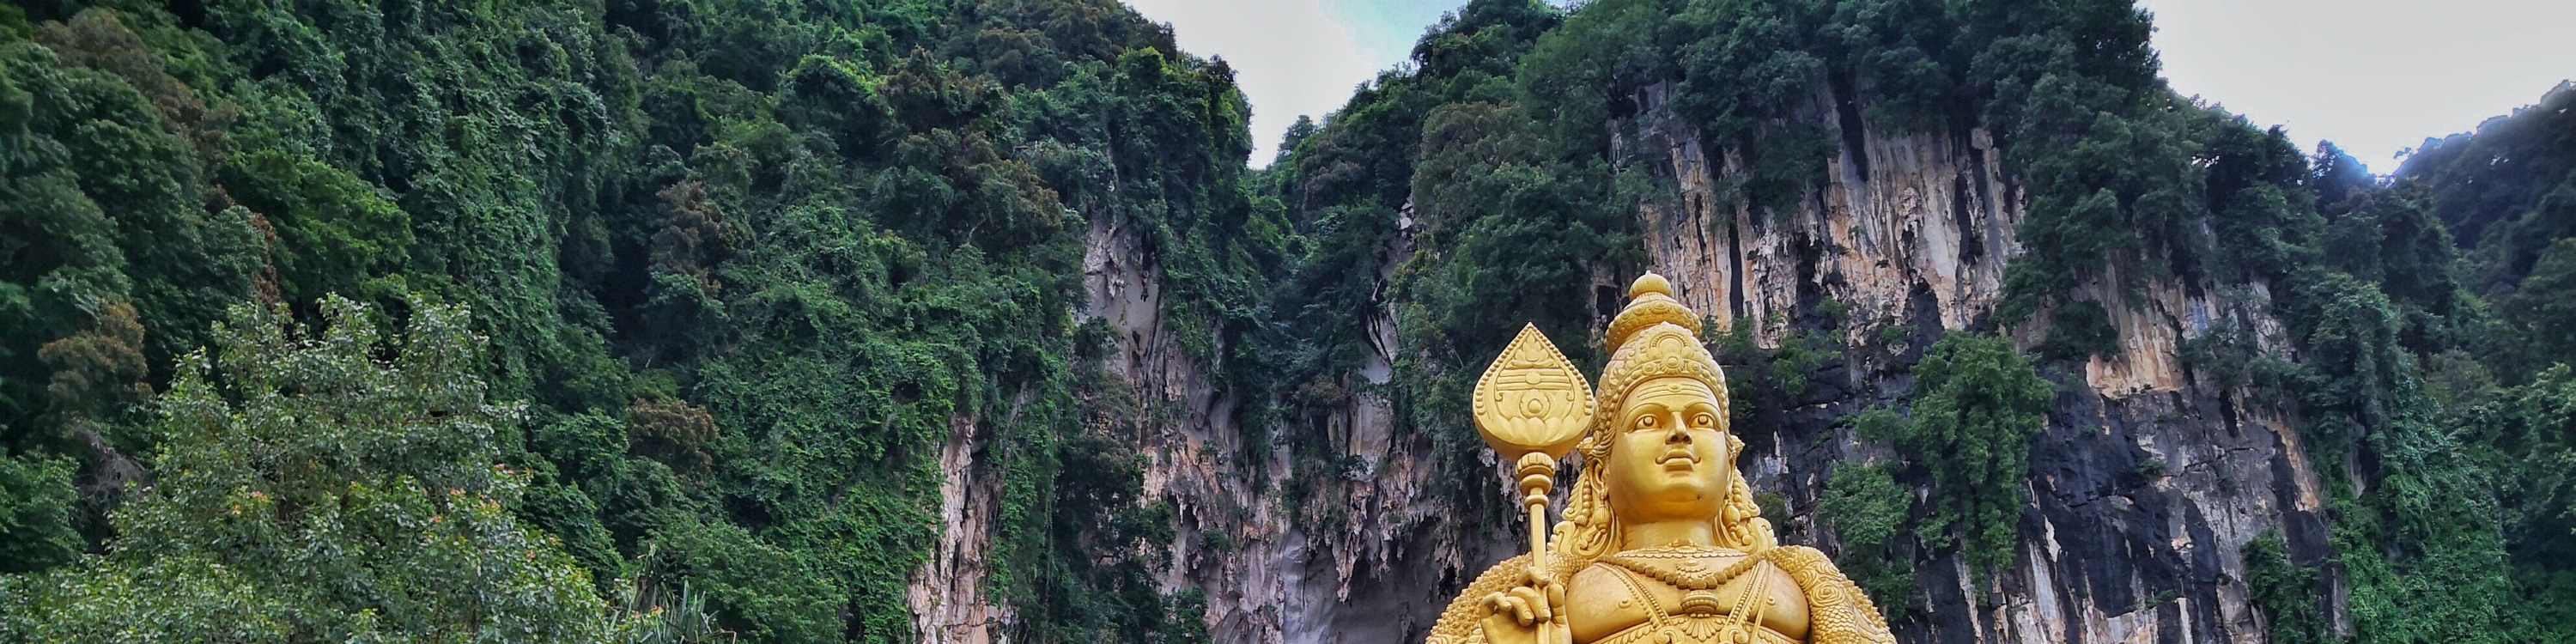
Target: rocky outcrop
(949, 605)
(2149, 479)
(1927, 225)
(1342, 566)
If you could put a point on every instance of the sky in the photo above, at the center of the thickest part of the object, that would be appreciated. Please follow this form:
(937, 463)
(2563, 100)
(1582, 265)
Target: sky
(2374, 76)
(1297, 57)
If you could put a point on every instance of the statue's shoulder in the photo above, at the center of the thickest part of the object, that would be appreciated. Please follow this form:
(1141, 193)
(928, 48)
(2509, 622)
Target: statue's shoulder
(1801, 552)
(1842, 612)
(1803, 562)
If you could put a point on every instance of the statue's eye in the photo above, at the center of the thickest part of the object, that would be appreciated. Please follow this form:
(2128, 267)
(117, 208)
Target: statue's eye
(1704, 419)
(1646, 422)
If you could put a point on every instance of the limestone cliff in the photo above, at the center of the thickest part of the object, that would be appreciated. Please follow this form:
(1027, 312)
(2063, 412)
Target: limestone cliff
(1270, 569)
(2149, 479)
(2147, 483)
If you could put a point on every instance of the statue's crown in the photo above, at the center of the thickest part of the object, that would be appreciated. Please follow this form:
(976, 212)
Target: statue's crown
(1654, 337)
(1650, 302)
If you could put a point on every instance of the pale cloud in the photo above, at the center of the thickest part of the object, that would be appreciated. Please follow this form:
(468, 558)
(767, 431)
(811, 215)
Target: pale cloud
(2374, 76)
(1291, 57)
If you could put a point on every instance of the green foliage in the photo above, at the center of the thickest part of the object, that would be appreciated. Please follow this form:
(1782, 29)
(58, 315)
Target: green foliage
(761, 591)
(1868, 511)
(2293, 613)
(1977, 404)
(186, 599)
(1574, 78)
(1508, 223)
(2506, 188)
(100, 205)
(2080, 330)
(35, 514)
(1768, 381)
(345, 230)
(2546, 300)
(1099, 498)
(2549, 615)
(750, 261)
(2465, 516)
(1797, 359)
(2533, 427)
(2152, 468)
(314, 488)
(2356, 377)
(2425, 551)
(2426, 542)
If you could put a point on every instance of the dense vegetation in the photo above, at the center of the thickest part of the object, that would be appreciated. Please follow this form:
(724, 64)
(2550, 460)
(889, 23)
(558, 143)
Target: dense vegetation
(332, 501)
(1977, 405)
(746, 264)
(651, 317)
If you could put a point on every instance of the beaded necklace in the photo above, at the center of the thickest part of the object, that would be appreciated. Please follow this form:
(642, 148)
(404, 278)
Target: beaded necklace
(1690, 574)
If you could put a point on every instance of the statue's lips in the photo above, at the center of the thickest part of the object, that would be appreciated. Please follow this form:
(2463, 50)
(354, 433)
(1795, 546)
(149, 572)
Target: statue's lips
(1678, 458)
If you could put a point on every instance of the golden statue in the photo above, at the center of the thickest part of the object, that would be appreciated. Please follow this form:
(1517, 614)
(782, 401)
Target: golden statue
(1663, 542)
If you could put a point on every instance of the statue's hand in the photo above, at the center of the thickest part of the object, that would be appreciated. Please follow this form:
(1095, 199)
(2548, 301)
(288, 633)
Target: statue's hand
(1531, 613)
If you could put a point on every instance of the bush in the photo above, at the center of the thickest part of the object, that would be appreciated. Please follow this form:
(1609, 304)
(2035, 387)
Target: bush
(1868, 510)
(325, 483)
(1976, 405)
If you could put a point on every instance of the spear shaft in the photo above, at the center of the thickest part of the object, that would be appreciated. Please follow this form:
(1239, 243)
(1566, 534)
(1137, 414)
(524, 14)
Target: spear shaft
(1538, 478)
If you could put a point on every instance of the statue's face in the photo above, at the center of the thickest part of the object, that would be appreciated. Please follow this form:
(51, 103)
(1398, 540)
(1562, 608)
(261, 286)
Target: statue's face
(1666, 458)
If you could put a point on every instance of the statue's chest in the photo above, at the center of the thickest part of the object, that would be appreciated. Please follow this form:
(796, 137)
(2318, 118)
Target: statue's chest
(1692, 600)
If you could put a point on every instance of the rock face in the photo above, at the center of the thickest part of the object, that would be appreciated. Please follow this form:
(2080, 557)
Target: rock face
(2146, 485)
(1905, 221)
(1343, 566)
(2149, 479)
(947, 593)
(1340, 567)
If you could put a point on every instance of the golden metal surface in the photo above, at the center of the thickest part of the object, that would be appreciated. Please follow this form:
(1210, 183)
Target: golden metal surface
(1532, 400)
(1661, 540)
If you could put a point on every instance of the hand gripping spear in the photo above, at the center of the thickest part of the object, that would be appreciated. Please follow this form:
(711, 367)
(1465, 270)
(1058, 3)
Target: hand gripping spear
(1532, 406)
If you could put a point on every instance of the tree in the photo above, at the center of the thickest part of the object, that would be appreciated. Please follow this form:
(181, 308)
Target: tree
(1977, 404)
(2284, 591)
(2547, 301)
(1866, 508)
(324, 483)
(35, 514)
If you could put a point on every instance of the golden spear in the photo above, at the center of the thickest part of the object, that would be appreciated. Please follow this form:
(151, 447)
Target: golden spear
(1532, 406)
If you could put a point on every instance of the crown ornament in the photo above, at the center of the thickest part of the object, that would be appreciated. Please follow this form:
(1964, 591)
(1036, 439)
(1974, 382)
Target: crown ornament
(1650, 302)
(1654, 337)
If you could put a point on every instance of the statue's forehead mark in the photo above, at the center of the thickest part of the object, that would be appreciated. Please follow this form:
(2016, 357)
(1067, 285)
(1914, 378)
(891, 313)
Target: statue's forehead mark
(1678, 387)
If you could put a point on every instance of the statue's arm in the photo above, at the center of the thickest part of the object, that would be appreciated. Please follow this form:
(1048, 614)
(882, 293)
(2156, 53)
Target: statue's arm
(1838, 612)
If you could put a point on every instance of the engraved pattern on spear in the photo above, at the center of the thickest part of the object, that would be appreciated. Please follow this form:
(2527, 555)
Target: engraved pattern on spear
(1532, 406)
(1532, 400)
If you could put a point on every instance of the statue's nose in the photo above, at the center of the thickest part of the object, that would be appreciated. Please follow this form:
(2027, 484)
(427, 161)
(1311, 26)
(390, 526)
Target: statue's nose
(1679, 434)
